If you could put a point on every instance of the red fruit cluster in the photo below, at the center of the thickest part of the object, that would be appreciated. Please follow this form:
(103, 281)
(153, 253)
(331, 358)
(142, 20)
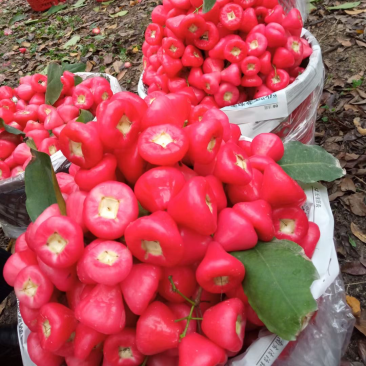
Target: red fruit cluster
(141, 286)
(239, 50)
(37, 120)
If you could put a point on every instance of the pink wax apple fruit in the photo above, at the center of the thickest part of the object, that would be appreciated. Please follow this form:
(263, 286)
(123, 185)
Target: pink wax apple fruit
(56, 322)
(310, 240)
(94, 359)
(86, 339)
(155, 239)
(161, 359)
(140, 287)
(30, 316)
(219, 271)
(156, 329)
(259, 213)
(102, 309)
(75, 208)
(197, 350)
(260, 162)
(184, 279)
(121, 349)
(59, 242)
(109, 208)
(108, 262)
(268, 144)
(40, 356)
(16, 263)
(32, 287)
(234, 231)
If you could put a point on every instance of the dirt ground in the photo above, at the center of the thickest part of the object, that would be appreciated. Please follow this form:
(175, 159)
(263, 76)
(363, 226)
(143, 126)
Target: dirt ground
(67, 36)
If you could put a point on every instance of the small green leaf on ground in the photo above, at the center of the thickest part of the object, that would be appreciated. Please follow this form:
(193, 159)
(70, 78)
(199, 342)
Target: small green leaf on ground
(55, 9)
(309, 163)
(79, 4)
(208, 5)
(105, 3)
(10, 129)
(72, 42)
(352, 241)
(119, 14)
(85, 116)
(41, 186)
(54, 84)
(277, 282)
(79, 67)
(16, 18)
(345, 6)
(99, 37)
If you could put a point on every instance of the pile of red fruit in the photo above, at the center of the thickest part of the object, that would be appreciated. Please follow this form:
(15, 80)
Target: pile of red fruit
(239, 50)
(39, 121)
(161, 205)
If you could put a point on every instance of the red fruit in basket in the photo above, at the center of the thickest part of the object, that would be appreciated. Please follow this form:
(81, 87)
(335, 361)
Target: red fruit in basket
(94, 359)
(192, 26)
(214, 113)
(120, 348)
(8, 143)
(310, 240)
(32, 287)
(192, 57)
(184, 280)
(249, 20)
(172, 66)
(290, 223)
(137, 102)
(25, 92)
(43, 111)
(252, 316)
(140, 287)
(155, 188)
(232, 165)
(251, 81)
(7, 104)
(260, 162)
(6, 92)
(75, 207)
(261, 13)
(155, 239)
(56, 322)
(30, 317)
(249, 192)
(295, 47)
(173, 47)
(66, 183)
(231, 74)
(234, 232)
(224, 324)
(38, 99)
(235, 50)
(211, 65)
(173, 24)
(154, 34)
(279, 189)
(197, 114)
(163, 145)
(81, 145)
(159, 15)
(210, 82)
(53, 120)
(283, 58)
(156, 330)
(219, 271)
(245, 3)
(262, 91)
(268, 144)
(22, 117)
(96, 31)
(196, 350)
(108, 262)
(21, 153)
(63, 278)
(277, 79)
(109, 208)
(209, 38)
(176, 84)
(217, 52)
(231, 16)
(50, 146)
(307, 50)
(40, 356)
(257, 44)
(227, 95)
(205, 140)
(6, 115)
(250, 66)
(16, 263)
(161, 359)
(86, 339)
(101, 93)
(218, 191)
(39, 83)
(104, 171)
(102, 309)
(195, 206)
(237, 293)
(275, 15)
(59, 242)
(20, 243)
(82, 97)
(293, 20)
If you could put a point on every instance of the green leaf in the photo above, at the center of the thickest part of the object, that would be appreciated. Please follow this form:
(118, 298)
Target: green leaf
(79, 4)
(16, 18)
(41, 187)
(85, 116)
(54, 84)
(99, 37)
(105, 3)
(30, 143)
(55, 9)
(79, 67)
(119, 14)
(277, 282)
(72, 42)
(352, 241)
(34, 21)
(309, 163)
(208, 5)
(78, 80)
(10, 129)
(345, 6)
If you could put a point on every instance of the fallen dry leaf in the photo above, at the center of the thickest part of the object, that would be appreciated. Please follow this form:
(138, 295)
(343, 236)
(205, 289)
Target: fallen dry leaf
(355, 78)
(121, 75)
(345, 42)
(361, 92)
(2, 78)
(361, 344)
(108, 59)
(335, 195)
(89, 66)
(354, 304)
(113, 26)
(117, 65)
(355, 12)
(347, 185)
(356, 203)
(135, 50)
(347, 107)
(25, 44)
(338, 82)
(360, 43)
(357, 123)
(354, 268)
(356, 231)
(361, 322)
